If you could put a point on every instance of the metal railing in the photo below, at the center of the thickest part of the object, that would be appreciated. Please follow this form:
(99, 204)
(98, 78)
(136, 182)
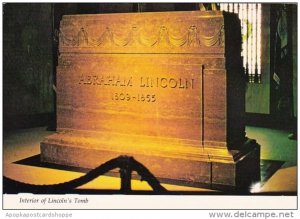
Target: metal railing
(126, 164)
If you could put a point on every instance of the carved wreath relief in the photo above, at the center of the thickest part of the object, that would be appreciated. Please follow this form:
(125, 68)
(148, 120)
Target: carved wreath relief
(135, 36)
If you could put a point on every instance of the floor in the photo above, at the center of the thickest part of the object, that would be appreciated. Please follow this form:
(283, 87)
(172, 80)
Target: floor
(276, 148)
(275, 145)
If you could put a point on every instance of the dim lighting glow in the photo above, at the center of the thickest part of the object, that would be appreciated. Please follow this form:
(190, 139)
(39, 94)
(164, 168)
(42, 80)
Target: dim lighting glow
(255, 188)
(235, 8)
(230, 7)
(222, 7)
(244, 32)
(249, 39)
(250, 16)
(258, 56)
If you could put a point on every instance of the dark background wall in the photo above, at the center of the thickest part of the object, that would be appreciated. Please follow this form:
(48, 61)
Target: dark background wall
(27, 65)
(30, 56)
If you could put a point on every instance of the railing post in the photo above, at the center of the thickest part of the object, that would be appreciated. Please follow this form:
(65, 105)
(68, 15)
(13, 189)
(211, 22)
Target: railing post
(125, 174)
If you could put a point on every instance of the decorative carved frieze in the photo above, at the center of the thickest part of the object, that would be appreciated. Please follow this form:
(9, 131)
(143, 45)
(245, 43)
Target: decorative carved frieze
(192, 37)
(148, 33)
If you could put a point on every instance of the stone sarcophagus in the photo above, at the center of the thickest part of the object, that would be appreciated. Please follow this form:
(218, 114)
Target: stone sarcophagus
(166, 88)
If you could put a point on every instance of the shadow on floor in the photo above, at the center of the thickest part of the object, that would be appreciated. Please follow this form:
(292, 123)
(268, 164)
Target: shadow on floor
(267, 167)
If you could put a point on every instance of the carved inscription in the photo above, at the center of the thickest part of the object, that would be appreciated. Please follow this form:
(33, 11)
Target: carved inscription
(141, 82)
(105, 80)
(167, 82)
(181, 83)
(137, 97)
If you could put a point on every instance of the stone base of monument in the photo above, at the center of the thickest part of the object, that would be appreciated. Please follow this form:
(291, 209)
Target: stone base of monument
(182, 162)
(237, 170)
